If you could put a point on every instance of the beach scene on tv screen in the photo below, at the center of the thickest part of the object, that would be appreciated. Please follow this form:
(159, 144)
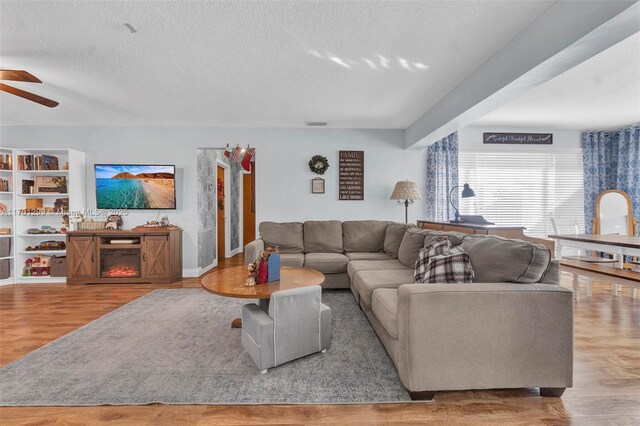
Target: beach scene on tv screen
(135, 187)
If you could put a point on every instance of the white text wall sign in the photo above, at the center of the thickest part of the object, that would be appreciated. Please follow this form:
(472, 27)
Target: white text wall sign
(518, 138)
(351, 169)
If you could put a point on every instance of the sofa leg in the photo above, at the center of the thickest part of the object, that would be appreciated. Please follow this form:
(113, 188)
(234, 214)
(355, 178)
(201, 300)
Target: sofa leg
(553, 392)
(422, 396)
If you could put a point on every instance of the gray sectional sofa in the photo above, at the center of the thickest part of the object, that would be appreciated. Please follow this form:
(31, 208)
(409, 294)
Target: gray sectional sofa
(511, 328)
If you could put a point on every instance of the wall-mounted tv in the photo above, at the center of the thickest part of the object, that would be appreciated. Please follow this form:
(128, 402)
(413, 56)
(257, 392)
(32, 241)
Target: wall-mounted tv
(135, 186)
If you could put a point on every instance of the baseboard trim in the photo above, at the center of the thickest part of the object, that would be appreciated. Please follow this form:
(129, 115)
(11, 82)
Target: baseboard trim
(236, 251)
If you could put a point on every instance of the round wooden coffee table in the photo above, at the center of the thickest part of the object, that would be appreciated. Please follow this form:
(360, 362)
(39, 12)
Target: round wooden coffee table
(230, 282)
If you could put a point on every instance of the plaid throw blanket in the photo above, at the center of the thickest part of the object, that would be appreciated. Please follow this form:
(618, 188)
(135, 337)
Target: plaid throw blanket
(440, 263)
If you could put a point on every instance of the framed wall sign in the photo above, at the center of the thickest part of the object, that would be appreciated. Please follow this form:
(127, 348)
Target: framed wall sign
(351, 174)
(317, 186)
(518, 138)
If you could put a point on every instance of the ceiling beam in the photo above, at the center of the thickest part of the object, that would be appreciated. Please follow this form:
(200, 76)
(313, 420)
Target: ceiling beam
(565, 35)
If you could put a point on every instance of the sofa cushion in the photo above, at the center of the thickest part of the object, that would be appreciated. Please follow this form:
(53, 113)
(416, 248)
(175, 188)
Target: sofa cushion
(412, 242)
(496, 259)
(384, 304)
(366, 282)
(374, 265)
(455, 238)
(287, 237)
(393, 237)
(364, 235)
(368, 256)
(327, 263)
(294, 260)
(323, 236)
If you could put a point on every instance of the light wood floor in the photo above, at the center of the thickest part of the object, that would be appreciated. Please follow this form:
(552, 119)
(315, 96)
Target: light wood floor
(606, 374)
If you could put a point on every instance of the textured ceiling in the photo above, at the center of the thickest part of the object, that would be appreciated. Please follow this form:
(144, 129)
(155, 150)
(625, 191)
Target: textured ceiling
(601, 93)
(275, 64)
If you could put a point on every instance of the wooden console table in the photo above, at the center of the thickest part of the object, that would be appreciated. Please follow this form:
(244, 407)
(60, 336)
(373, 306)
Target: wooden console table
(109, 256)
(514, 232)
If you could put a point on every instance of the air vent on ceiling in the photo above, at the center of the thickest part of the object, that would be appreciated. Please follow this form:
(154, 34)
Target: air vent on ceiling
(316, 123)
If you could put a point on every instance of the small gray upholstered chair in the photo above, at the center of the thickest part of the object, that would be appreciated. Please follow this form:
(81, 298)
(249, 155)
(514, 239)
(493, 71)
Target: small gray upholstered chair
(297, 324)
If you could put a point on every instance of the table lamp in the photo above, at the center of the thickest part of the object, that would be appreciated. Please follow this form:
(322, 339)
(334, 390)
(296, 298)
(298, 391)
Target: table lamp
(406, 192)
(467, 192)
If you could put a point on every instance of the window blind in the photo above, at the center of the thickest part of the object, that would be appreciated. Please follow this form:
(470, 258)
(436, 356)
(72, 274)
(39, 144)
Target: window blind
(524, 189)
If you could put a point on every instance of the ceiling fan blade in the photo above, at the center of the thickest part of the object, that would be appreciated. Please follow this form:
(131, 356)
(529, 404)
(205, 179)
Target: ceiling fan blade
(17, 75)
(28, 95)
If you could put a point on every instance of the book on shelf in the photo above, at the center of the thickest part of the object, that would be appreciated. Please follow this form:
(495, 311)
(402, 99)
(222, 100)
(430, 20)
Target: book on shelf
(6, 185)
(38, 162)
(27, 186)
(6, 162)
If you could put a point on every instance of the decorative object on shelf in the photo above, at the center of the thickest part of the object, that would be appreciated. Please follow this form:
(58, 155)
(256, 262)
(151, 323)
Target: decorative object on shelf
(59, 266)
(3, 208)
(48, 245)
(61, 205)
(317, 185)
(114, 221)
(351, 175)
(467, 192)
(319, 164)
(38, 266)
(51, 184)
(156, 226)
(5, 247)
(34, 203)
(92, 225)
(406, 192)
(5, 230)
(518, 138)
(220, 194)
(44, 229)
(6, 185)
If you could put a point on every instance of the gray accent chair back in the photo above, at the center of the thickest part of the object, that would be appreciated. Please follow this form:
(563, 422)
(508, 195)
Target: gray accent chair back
(297, 325)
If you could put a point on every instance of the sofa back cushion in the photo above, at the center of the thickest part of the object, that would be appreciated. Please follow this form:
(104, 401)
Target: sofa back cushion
(364, 235)
(323, 236)
(498, 260)
(287, 237)
(393, 237)
(412, 242)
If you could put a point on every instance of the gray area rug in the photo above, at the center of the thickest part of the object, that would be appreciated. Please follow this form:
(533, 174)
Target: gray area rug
(177, 347)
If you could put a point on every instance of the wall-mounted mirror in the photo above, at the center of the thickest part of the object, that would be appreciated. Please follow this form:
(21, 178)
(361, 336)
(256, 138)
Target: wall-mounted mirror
(614, 213)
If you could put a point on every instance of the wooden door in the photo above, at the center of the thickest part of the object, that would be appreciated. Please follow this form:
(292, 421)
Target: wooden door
(221, 213)
(155, 257)
(249, 206)
(81, 258)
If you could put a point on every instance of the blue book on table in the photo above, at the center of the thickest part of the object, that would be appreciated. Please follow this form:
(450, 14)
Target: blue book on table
(273, 267)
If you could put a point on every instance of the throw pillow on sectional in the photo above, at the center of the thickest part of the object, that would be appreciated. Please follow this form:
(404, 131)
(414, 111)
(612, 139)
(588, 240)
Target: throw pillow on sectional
(436, 246)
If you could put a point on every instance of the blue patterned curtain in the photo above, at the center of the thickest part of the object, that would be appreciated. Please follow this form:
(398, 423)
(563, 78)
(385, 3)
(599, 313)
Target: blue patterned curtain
(611, 161)
(442, 175)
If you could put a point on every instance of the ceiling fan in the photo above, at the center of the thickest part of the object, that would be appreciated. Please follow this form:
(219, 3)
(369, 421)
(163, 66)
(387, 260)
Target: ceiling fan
(16, 75)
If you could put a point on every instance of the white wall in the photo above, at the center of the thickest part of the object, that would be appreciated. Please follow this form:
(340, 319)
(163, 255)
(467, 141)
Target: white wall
(283, 179)
(470, 139)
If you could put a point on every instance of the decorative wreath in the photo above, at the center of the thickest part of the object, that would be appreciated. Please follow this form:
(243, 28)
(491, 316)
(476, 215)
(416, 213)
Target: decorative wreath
(318, 164)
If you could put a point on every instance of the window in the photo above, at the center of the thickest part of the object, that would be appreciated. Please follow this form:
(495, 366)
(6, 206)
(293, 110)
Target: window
(524, 188)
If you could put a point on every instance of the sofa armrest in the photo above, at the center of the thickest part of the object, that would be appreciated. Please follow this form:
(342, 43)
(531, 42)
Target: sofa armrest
(484, 336)
(257, 335)
(252, 250)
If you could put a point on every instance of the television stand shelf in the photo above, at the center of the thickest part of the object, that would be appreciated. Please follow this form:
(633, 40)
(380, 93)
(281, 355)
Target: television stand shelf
(154, 257)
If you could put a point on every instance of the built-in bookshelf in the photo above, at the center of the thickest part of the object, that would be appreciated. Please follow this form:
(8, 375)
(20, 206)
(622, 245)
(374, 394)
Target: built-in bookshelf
(7, 219)
(47, 184)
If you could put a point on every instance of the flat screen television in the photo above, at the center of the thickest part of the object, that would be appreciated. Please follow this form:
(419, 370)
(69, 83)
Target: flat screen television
(135, 186)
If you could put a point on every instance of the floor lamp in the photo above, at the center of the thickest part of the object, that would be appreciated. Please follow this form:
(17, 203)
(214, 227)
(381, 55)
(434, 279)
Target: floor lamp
(406, 192)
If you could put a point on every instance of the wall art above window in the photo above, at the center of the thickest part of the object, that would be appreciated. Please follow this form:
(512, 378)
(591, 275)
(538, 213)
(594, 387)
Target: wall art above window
(518, 138)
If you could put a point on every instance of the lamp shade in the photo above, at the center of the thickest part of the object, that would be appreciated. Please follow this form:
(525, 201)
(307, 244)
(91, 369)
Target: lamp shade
(406, 190)
(467, 192)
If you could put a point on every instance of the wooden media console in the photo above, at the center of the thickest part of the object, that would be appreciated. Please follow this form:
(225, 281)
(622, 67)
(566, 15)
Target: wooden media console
(111, 257)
